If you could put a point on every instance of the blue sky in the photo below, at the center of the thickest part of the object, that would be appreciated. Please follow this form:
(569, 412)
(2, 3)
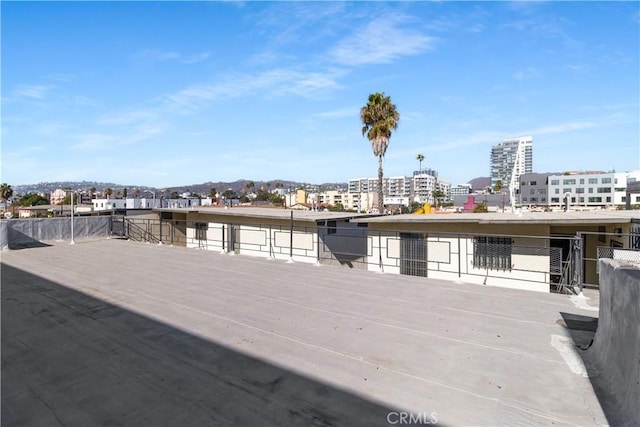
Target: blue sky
(179, 93)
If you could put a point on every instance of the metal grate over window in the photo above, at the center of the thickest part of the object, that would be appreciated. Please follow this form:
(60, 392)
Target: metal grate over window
(201, 230)
(493, 253)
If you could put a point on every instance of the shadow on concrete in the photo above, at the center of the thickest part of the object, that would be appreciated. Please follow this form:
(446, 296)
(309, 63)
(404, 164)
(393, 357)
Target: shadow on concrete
(582, 330)
(71, 359)
(19, 240)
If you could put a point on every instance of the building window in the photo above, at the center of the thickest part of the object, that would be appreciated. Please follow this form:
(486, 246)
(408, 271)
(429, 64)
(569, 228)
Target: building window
(595, 199)
(620, 189)
(579, 190)
(581, 180)
(568, 182)
(555, 182)
(332, 227)
(533, 183)
(556, 191)
(606, 180)
(493, 253)
(593, 180)
(608, 199)
(634, 238)
(201, 230)
(555, 200)
(590, 190)
(604, 189)
(566, 190)
(542, 191)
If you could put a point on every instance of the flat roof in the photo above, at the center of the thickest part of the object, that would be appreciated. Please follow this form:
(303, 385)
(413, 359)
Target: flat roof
(271, 213)
(571, 217)
(177, 336)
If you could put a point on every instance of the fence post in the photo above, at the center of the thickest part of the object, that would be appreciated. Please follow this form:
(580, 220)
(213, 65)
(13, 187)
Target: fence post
(291, 239)
(580, 269)
(317, 245)
(271, 255)
(459, 261)
(224, 239)
(380, 268)
(160, 237)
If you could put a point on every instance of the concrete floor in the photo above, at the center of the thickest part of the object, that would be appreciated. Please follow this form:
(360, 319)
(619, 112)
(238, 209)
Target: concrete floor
(112, 332)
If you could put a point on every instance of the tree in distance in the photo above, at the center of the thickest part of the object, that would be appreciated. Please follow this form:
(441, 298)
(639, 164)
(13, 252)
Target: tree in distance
(420, 158)
(5, 192)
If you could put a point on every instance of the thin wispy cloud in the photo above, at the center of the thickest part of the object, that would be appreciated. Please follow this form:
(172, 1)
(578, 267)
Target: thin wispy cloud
(289, 22)
(278, 82)
(384, 40)
(192, 59)
(144, 132)
(560, 128)
(124, 118)
(456, 142)
(64, 78)
(526, 74)
(574, 67)
(93, 142)
(33, 91)
(160, 55)
(300, 72)
(50, 128)
(339, 114)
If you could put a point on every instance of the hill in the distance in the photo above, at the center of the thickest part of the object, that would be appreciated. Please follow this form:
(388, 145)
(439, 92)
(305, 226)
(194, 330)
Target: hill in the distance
(204, 189)
(480, 183)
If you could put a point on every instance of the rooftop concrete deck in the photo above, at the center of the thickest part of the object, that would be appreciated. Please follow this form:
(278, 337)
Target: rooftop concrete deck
(113, 332)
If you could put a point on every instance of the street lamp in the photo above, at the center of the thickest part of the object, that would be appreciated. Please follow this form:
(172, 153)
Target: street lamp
(73, 242)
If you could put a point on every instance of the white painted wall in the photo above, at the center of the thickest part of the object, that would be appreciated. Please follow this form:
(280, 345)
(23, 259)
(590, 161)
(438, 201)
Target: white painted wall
(259, 241)
(444, 262)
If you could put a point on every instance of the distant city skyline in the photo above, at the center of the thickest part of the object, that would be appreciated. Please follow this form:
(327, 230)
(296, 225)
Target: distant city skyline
(166, 94)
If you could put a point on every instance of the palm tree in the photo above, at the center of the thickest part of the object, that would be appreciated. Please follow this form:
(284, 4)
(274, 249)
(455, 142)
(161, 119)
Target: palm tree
(248, 186)
(420, 158)
(379, 118)
(437, 195)
(108, 192)
(5, 193)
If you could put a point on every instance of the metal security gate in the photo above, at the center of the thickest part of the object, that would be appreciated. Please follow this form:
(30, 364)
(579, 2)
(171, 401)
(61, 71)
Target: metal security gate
(413, 254)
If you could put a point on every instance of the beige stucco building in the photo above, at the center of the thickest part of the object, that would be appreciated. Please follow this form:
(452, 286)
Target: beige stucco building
(536, 251)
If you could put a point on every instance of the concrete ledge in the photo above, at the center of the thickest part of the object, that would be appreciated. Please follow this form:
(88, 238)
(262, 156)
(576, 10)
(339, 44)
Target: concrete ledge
(615, 352)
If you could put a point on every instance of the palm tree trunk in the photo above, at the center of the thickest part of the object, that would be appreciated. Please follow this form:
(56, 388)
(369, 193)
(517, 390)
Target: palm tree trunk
(380, 193)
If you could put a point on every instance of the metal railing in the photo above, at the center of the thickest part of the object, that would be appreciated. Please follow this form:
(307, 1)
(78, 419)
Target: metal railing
(618, 245)
(472, 257)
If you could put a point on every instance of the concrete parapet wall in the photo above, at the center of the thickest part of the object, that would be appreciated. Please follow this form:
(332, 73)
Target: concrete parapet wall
(615, 352)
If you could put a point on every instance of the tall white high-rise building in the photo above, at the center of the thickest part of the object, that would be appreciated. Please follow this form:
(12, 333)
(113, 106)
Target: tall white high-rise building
(510, 159)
